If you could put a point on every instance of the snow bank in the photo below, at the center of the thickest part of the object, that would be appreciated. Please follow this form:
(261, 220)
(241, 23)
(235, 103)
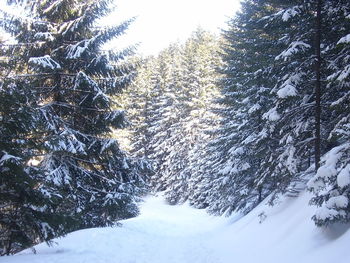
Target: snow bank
(180, 234)
(286, 234)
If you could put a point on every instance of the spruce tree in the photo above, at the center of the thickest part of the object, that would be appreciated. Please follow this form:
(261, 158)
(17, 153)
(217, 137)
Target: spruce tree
(73, 80)
(94, 173)
(174, 92)
(237, 171)
(28, 202)
(165, 114)
(293, 109)
(197, 86)
(331, 182)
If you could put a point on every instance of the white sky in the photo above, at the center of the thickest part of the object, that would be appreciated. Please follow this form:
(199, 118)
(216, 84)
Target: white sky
(161, 22)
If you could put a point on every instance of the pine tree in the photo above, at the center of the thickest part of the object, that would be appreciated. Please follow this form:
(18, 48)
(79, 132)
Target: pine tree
(96, 176)
(164, 115)
(174, 92)
(293, 108)
(331, 182)
(197, 88)
(138, 101)
(27, 201)
(237, 171)
(73, 79)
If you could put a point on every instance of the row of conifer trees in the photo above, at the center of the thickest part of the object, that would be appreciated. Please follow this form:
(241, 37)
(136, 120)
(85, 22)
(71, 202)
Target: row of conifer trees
(232, 121)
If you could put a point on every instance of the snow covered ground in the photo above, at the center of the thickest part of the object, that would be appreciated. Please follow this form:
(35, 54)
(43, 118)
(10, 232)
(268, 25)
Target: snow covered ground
(180, 234)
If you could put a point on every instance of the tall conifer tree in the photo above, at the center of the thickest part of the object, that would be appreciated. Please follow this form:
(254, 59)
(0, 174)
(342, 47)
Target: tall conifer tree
(28, 202)
(73, 80)
(331, 184)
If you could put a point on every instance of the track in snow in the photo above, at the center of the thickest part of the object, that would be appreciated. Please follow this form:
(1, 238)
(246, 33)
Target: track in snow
(161, 234)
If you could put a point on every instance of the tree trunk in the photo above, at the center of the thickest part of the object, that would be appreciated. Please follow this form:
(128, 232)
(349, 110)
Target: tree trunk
(260, 194)
(318, 88)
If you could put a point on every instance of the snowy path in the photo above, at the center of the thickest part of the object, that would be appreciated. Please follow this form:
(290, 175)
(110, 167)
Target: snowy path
(180, 234)
(161, 234)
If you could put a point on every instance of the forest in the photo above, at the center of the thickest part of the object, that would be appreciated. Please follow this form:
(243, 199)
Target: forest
(222, 122)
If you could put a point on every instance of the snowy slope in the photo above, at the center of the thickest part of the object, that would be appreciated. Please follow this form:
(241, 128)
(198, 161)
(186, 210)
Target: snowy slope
(180, 234)
(286, 235)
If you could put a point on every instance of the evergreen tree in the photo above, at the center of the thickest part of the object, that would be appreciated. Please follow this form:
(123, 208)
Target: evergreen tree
(293, 109)
(174, 92)
(198, 87)
(331, 182)
(165, 114)
(94, 174)
(237, 176)
(138, 101)
(73, 80)
(27, 202)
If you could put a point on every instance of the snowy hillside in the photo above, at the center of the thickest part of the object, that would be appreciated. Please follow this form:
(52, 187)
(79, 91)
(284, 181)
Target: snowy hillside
(180, 234)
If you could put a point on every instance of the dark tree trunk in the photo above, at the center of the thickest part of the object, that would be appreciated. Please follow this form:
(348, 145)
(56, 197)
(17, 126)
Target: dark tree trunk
(260, 194)
(8, 246)
(318, 88)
